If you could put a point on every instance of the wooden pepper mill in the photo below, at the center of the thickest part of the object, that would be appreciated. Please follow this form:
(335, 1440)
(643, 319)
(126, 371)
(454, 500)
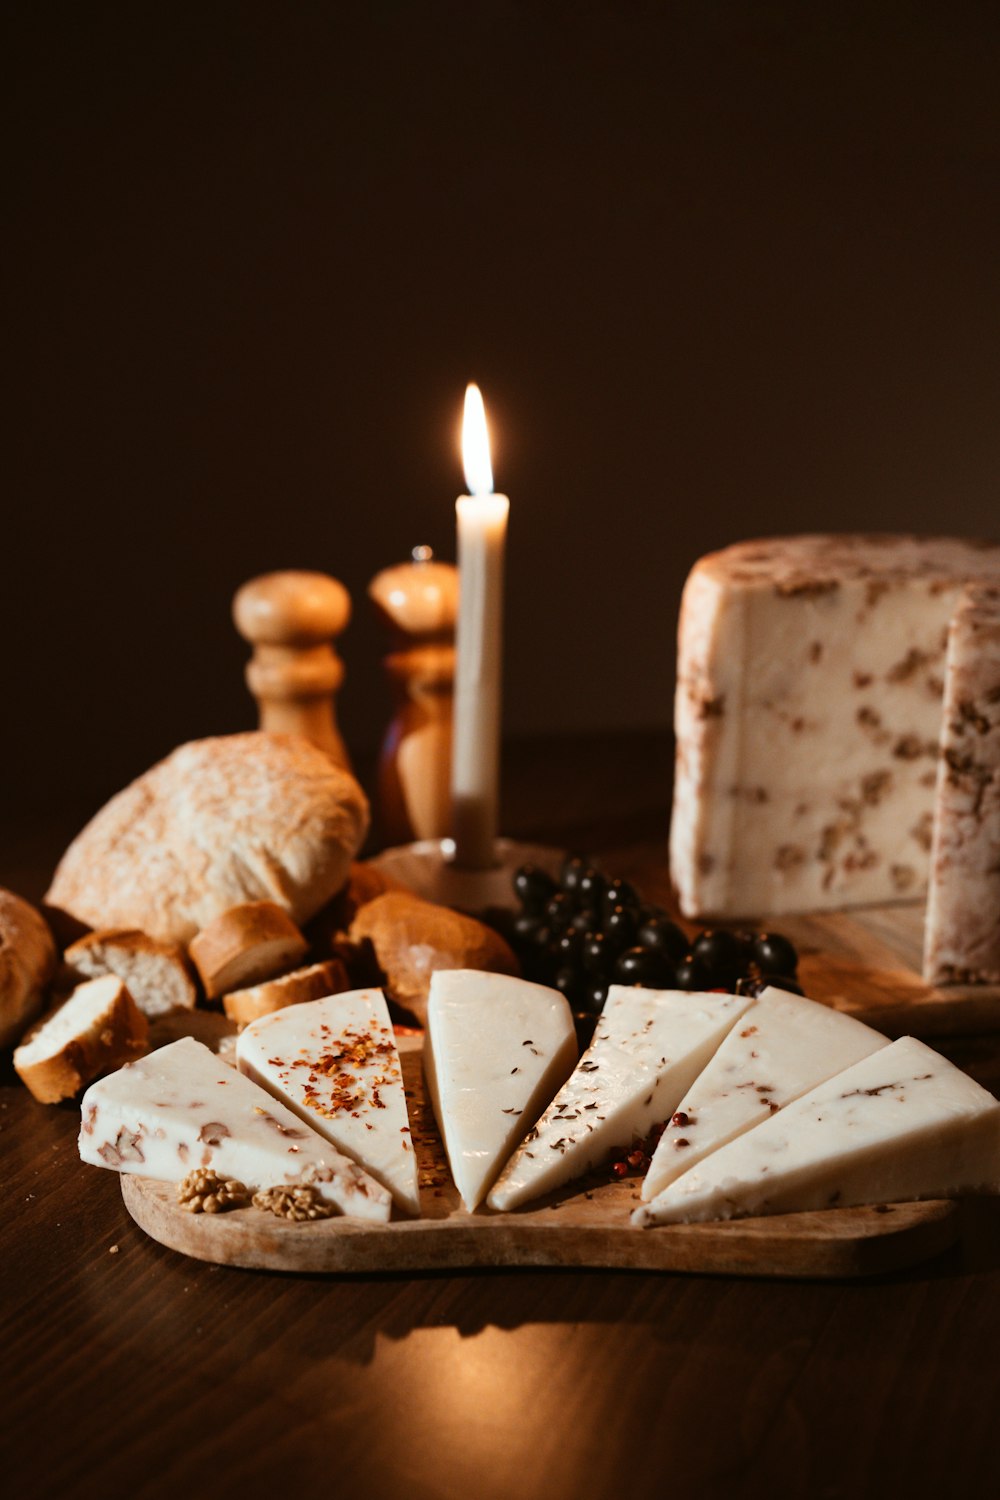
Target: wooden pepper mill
(418, 601)
(290, 619)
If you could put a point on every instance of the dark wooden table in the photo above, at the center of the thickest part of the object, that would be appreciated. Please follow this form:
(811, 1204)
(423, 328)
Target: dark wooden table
(129, 1369)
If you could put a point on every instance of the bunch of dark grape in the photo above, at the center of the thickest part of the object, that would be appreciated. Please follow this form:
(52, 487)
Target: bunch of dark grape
(585, 931)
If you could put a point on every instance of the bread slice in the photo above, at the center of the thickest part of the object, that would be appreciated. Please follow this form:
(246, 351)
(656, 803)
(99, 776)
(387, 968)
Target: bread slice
(245, 945)
(98, 1027)
(156, 973)
(313, 983)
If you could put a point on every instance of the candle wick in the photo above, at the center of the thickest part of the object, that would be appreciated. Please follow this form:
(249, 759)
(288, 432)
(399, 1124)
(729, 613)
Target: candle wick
(422, 554)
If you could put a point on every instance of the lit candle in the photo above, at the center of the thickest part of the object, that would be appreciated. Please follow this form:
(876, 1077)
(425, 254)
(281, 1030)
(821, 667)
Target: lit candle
(482, 529)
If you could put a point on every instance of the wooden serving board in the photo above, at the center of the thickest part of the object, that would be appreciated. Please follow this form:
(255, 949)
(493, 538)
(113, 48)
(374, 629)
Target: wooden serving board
(585, 1225)
(867, 962)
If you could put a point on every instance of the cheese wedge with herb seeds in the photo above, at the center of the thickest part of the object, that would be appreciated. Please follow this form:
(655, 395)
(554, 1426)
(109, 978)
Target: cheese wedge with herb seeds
(783, 1046)
(334, 1063)
(648, 1048)
(496, 1051)
(182, 1107)
(900, 1125)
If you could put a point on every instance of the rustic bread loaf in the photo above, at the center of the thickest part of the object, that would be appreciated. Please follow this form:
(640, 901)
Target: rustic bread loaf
(313, 983)
(156, 974)
(97, 1028)
(245, 945)
(245, 817)
(411, 938)
(27, 963)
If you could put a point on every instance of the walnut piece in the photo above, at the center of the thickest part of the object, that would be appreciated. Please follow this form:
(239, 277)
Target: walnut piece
(205, 1192)
(295, 1203)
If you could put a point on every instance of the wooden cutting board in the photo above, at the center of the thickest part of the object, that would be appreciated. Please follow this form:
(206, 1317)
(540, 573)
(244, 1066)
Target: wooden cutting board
(867, 962)
(585, 1226)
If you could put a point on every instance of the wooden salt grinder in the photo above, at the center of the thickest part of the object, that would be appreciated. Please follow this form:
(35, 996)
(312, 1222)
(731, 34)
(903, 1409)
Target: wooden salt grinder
(290, 619)
(418, 601)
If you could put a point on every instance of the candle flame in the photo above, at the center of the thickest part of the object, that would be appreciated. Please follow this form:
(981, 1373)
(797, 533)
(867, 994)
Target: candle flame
(476, 444)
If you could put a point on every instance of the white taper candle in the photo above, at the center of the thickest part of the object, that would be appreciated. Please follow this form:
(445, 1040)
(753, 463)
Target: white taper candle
(482, 530)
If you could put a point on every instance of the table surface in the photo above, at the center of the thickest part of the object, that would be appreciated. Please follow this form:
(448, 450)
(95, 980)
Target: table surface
(127, 1366)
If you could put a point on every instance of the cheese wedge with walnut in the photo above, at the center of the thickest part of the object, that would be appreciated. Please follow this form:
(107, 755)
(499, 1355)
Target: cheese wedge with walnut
(182, 1107)
(334, 1062)
(900, 1125)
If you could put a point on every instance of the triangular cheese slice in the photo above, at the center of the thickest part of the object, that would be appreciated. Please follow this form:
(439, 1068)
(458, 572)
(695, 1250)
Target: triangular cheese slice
(648, 1047)
(902, 1124)
(182, 1107)
(784, 1046)
(334, 1062)
(497, 1049)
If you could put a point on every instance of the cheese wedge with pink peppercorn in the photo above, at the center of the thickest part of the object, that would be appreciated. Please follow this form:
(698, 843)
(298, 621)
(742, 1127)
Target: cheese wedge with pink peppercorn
(783, 1046)
(182, 1107)
(648, 1048)
(334, 1063)
(900, 1125)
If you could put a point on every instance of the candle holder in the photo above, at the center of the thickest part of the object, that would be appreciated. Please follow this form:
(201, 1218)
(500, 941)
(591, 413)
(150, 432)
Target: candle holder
(427, 867)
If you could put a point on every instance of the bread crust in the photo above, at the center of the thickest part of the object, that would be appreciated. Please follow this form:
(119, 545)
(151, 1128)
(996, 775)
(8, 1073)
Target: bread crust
(412, 937)
(312, 983)
(245, 945)
(27, 964)
(243, 817)
(117, 1034)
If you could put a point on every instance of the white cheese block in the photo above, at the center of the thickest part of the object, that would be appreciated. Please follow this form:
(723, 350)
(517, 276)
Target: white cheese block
(962, 933)
(334, 1062)
(900, 1125)
(182, 1107)
(809, 694)
(496, 1050)
(648, 1048)
(783, 1046)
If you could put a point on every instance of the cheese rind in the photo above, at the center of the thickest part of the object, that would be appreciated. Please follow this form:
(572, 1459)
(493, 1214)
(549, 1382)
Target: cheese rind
(783, 1046)
(809, 692)
(902, 1124)
(648, 1048)
(497, 1048)
(181, 1107)
(334, 1063)
(962, 932)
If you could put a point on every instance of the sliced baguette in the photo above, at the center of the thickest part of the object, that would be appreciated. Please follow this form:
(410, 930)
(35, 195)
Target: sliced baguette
(313, 983)
(245, 945)
(156, 973)
(97, 1028)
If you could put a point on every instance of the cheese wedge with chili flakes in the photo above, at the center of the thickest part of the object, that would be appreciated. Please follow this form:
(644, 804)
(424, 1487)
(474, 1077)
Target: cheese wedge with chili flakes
(182, 1107)
(648, 1048)
(900, 1125)
(783, 1046)
(334, 1062)
(497, 1049)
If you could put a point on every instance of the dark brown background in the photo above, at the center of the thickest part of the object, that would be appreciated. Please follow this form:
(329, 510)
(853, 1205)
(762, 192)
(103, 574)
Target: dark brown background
(720, 269)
